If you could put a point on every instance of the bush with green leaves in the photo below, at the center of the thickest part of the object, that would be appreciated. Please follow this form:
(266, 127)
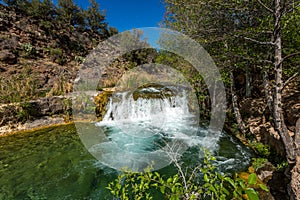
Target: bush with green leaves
(263, 150)
(28, 49)
(203, 182)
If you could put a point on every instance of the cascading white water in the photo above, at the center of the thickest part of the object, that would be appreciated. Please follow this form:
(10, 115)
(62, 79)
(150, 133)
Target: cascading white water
(158, 113)
(147, 126)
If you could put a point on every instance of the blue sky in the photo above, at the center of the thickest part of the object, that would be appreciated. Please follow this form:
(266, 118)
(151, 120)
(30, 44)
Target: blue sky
(129, 14)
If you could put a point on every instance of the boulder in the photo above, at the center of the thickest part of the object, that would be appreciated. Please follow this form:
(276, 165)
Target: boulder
(8, 57)
(265, 172)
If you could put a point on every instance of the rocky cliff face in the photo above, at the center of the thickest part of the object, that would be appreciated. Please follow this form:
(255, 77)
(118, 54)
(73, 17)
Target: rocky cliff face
(257, 117)
(45, 51)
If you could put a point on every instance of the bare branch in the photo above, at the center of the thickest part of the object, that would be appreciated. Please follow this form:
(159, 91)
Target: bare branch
(3, 118)
(172, 152)
(195, 170)
(289, 56)
(292, 9)
(289, 80)
(259, 42)
(267, 61)
(266, 7)
(267, 32)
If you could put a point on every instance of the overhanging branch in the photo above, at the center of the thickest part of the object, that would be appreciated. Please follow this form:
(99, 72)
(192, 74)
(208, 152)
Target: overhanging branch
(266, 7)
(289, 80)
(259, 42)
(289, 56)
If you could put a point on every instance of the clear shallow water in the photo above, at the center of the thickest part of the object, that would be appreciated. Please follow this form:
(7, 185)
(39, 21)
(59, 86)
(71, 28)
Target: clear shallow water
(54, 164)
(48, 164)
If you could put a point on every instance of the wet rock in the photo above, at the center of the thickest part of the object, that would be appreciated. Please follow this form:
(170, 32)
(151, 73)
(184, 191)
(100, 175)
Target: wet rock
(152, 90)
(101, 101)
(56, 105)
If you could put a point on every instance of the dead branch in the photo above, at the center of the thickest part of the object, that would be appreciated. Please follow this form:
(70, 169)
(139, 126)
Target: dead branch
(265, 6)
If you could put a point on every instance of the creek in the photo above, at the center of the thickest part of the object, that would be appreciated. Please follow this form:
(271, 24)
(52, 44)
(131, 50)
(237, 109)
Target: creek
(77, 162)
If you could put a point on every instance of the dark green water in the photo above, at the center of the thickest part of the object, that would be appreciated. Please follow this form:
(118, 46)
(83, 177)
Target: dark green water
(49, 164)
(53, 164)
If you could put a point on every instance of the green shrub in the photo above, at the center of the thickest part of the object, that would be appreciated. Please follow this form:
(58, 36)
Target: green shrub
(57, 55)
(79, 59)
(263, 150)
(29, 50)
(258, 162)
(139, 185)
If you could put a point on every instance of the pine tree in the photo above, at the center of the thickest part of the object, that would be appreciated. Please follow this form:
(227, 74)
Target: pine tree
(95, 19)
(69, 13)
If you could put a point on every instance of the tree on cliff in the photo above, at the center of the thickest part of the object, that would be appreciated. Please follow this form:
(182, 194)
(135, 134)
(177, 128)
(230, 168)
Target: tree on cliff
(95, 18)
(69, 13)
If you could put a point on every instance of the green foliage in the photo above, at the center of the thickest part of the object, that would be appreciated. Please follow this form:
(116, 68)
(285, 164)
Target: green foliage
(25, 112)
(282, 166)
(32, 195)
(67, 14)
(20, 4)
(67, 103)
(263, 150)
(214, 185)
(79, 59)
(57, 55)
(94, 18)
(29, 50)
(258, 162)
(223, 26)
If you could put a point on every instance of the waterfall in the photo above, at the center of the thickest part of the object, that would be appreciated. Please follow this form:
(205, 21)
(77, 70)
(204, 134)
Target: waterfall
(149, 125)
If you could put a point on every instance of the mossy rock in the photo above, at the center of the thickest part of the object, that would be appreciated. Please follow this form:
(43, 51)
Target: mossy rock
(101, 101)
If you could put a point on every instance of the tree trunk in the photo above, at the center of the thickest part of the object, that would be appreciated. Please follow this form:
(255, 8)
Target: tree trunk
(235, 106)
(277, 110)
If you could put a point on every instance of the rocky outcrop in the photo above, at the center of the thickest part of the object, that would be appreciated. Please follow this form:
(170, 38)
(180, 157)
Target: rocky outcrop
(49, 57)
(153, 90)
(35, 109)
(259, 121)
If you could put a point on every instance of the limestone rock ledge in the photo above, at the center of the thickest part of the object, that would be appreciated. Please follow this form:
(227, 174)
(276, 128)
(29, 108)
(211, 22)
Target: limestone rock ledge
(34, 113)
